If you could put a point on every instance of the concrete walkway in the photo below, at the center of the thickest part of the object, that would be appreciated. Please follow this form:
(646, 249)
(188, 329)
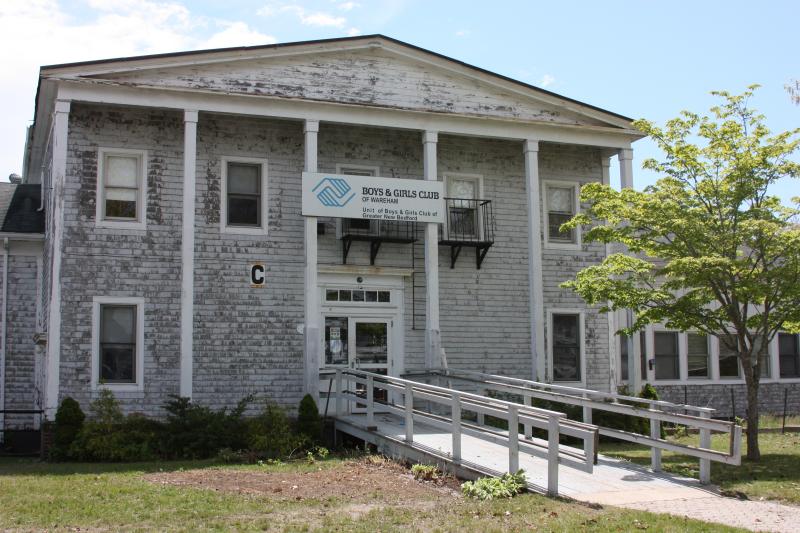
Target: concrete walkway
(614, 482)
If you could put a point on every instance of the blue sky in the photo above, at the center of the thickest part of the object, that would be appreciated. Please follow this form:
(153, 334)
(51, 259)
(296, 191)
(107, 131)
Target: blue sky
(638, 58)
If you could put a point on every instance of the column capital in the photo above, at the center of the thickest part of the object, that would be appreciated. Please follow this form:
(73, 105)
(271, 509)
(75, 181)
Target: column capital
(530, 145)
(190, 115)
(626, 153)
(62, 106)
(605, 162)
(311, 126)
(430, 137)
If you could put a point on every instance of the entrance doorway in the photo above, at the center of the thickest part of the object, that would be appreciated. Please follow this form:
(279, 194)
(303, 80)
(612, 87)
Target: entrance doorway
(362, 328)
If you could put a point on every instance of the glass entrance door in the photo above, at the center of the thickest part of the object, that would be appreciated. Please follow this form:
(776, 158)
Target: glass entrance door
(361, 344)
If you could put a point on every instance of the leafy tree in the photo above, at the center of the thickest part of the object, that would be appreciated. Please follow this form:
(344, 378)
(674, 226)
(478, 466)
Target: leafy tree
(708, 248)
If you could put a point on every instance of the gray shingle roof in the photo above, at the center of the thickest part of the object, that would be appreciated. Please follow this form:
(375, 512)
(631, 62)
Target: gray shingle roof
(20, 212)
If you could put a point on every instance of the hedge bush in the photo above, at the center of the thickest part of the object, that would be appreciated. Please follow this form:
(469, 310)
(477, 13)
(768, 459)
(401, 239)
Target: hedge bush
(68, 423)
(190, 431)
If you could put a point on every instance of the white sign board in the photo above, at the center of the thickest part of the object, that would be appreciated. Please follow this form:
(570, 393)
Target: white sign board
(368, 197)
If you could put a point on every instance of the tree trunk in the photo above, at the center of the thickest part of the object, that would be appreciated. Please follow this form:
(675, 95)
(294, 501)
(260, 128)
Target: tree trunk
(752, 380)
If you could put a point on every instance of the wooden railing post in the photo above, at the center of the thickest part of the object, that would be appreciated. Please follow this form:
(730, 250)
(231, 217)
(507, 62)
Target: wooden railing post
(370, 403)
(409, 405)
(456, 417)
(513, 439)
(655, 453)
(339, 393)
(528, 428)
(481, 418)
(705, 442)
(587, 412)
(552, 455)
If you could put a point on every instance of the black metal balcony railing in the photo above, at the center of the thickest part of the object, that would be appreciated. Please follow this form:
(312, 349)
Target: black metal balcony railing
(468, 223)
(375, 232)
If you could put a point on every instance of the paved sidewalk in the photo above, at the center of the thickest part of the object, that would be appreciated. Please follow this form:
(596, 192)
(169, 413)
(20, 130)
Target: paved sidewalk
(752, 515)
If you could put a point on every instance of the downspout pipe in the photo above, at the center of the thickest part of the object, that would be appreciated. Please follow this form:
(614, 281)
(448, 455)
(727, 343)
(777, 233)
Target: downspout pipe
(3, 347)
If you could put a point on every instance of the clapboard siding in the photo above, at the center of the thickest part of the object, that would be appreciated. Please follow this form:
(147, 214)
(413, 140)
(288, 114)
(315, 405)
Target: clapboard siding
(373, 77)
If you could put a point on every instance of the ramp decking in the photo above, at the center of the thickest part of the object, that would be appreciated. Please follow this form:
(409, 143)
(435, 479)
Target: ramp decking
(613, 481)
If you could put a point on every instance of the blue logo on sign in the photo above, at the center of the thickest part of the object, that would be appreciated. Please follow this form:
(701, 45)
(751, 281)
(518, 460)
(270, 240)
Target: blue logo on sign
(333, 192)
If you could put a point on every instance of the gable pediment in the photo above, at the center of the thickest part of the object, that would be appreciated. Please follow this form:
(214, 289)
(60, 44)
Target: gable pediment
(385, 75)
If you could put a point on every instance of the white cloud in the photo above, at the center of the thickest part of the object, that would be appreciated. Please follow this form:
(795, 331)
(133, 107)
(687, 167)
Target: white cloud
(320, 19)
(348, 6)
(237, 34)
(43, 32)
(462, 33)
(352, 32)
(546, 81)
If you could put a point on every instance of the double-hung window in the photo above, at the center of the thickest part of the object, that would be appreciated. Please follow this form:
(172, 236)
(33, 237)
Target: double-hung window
(728, 358)
(561, 201)
(697, 357)
(788, 355)
(121, 188)
(117, 343)
(665, 351)
(244, 195)
(463, 194)
(566, 346)
(361, 226)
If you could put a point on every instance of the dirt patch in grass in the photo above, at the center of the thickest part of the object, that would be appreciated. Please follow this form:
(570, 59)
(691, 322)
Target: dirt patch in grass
(358, 481)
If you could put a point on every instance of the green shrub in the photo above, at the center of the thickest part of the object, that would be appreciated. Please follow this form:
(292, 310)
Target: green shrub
(425, 472)
(489, 488)
(270, 435)
(196, 432)
(110, 436)
(309, 423)
(68, 423)
(633, 424)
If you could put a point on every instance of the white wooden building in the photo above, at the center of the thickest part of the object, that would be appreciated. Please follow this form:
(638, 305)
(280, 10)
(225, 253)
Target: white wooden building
(176, 259)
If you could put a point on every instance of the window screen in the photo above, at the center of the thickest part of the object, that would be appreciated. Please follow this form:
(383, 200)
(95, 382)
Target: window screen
(118, 343)
(698, 356)
(788, 355)
(244, 195)
(728, 358)
(120, 187)
(560, 208)
(566, 348)
(665, 346)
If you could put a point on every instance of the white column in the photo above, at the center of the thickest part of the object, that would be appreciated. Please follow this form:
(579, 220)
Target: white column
(311, 329)
(58, 175)
(613, 345)
(634, 346)
(187, 250)
(433, 341)
(535, 284)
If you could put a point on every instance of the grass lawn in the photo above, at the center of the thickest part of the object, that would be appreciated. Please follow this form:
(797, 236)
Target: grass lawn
(135, 497)
(775, 477)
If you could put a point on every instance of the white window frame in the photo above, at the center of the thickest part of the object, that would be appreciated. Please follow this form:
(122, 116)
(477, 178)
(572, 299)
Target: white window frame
(581, 338)
(463, 175)
(223, 218)
(97, 303)
(341, 169)
(576, 190)
(775, 355)
(141, 199)
(685, 357)
(650, 343)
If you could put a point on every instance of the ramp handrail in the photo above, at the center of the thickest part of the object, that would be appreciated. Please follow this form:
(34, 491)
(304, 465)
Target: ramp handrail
(654, 411)
(458, 401)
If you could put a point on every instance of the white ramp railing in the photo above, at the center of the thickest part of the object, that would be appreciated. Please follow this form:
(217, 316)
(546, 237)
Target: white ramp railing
(653, 410)
(357, 389)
